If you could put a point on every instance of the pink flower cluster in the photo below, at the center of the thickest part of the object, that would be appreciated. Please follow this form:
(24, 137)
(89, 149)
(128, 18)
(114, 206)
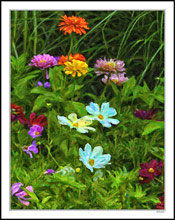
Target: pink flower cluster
(113, 70)
(117, 79)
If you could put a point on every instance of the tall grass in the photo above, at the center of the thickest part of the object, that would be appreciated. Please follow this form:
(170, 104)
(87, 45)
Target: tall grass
(133, 36)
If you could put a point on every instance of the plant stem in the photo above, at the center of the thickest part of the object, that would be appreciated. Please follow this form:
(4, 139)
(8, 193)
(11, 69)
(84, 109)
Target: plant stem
(158, 180)
(51, 155)
(25, 30)
(35, 31)
(71, 44)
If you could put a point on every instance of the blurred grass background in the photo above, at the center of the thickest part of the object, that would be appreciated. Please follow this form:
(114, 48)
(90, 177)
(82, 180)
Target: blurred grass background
(136, 37)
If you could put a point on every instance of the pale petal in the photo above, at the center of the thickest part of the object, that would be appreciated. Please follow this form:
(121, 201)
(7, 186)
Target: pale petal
(72, 117)
(104, 107)
(93, 108)
(83, 156)
(102, 160)
(90, 128)
(113, 121)
(105, 123)
(97, 151)
(82, 130)
(64, 121)
(106, 110)
(88, 149)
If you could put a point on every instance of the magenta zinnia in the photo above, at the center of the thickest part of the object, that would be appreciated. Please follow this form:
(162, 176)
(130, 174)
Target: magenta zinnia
(43, 61)
(104, 66)
(149, 171)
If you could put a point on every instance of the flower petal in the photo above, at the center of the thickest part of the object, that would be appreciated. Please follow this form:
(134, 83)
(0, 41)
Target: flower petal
(72, 117)
(82, 130)
(90, 128)
(105, 123)
(93, 108)
(113, 121)
(33, 148)
(15, 187)
(30, 188)
(102, 160)
(106, 110)
(87, 149)
(26, 203)
(97, 151)
(83, 156)
(64, 121)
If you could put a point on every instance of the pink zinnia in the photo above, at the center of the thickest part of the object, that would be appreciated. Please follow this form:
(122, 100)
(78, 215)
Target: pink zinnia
(104, 66)
(117, 79)
(43, 61)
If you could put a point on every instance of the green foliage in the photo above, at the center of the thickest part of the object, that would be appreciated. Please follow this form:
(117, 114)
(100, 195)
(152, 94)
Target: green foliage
(152, 126)
(137, 39)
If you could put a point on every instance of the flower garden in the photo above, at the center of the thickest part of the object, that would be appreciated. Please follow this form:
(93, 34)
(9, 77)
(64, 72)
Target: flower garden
(87, 110)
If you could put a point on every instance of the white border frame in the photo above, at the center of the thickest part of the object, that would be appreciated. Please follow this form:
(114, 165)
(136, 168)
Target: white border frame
(169, 74)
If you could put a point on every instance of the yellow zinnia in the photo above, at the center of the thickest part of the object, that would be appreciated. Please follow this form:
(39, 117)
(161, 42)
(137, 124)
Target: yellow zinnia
(75, 67)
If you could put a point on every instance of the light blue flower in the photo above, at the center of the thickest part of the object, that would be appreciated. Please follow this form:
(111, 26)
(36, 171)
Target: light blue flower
(103, 114)
(80, 124)
(94, 159)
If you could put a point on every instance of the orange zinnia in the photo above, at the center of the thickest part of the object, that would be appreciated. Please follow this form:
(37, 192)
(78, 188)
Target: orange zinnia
(73, 24)
(77, 56)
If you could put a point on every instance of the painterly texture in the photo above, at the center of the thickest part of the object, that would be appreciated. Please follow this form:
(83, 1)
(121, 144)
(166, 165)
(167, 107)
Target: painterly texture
(87, 110)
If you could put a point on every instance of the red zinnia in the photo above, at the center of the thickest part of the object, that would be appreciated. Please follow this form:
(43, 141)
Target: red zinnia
(41, 120)
(73, 24)
(149, 171)
(17, 114)
(160, 205)
(77, 56)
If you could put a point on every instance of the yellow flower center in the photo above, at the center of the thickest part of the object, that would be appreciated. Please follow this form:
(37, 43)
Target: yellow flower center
(91, 162)
(140, 178)
(77, 170)
(42, 61)
(100, 116)
(111, 64)
(75, 124)
(37, 133)
(151, 170)
(115, 80)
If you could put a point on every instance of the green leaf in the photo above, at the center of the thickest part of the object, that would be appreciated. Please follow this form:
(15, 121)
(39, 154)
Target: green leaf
(76, 107)
(152, 126)
(41, 102)
(32, 194)
(56, 78)
(159, 97)
(70, 90)
(46, 199)
(39, 90)
(67, 181)
(21, 87)
(21, 62)
(64, 147)
(128, 87)
(114, 87)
